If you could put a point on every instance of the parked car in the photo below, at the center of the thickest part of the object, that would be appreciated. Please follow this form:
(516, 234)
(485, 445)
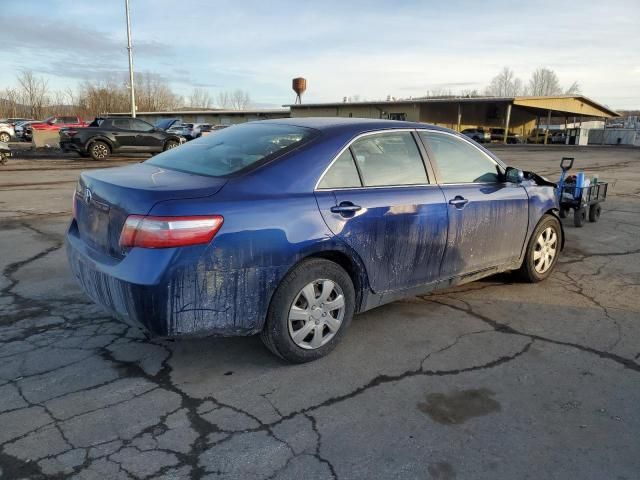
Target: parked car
(189, 131)
(167, 123)
(107, 135)
(7, 132)
(5, 153)
(538, 137)
(559, 137)
(479, 135)
(53, 123)
(20, 128)
(288, 227)
(497, 135)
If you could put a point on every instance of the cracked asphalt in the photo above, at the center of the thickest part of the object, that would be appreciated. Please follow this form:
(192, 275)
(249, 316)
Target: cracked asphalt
(492, 380)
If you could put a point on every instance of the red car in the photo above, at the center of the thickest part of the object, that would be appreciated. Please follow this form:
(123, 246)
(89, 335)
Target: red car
(55, 123)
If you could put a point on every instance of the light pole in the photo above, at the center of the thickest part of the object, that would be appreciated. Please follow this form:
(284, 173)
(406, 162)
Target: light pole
(129, 48)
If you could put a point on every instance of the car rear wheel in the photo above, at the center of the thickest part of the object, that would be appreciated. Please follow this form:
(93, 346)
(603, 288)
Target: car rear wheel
(5, 137)
(310, 311)
(543, 250)
(99, 151)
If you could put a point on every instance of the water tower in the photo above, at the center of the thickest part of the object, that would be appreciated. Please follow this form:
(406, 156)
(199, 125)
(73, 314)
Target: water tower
(299, 86)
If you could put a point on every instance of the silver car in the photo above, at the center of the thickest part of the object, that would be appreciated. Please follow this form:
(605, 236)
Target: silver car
(189, 131)
(7, 132)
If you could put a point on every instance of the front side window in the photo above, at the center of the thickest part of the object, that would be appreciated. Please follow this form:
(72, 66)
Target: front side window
(390, 158)
(140, 126)
(232, 149)
(460, 162)
(342, 174)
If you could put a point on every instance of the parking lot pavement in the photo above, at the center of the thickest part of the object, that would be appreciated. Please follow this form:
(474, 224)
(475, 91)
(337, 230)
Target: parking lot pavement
(495, 379)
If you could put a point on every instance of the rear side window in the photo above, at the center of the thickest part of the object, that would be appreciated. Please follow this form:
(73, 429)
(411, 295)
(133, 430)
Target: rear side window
(123, 123)
(342, 174)
(387, 159)
(232, 149)
(460, 162)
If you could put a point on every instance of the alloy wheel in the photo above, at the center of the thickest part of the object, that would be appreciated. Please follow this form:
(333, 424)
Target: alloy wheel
(545, 250)
(316, 314)
(100, 150)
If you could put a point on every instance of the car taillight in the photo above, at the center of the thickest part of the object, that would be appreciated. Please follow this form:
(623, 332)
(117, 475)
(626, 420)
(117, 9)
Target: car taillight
(165, 232)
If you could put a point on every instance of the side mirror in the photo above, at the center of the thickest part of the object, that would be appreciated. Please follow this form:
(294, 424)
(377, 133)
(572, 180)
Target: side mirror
(514, 175)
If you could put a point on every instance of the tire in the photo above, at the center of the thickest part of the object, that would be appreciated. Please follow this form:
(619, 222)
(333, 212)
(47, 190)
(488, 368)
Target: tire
(5, 137)
(579, 216)
(594, 212)
(533, 269)
(563, 212)
(99, 150)
(170, 144)
(292, 293)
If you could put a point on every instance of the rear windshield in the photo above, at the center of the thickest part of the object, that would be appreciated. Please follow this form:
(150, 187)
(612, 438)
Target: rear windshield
(232, 149)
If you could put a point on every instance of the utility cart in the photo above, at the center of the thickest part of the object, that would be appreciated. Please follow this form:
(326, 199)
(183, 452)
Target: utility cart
(584, 200)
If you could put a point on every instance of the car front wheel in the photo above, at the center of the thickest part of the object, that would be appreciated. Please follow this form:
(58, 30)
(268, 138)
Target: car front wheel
(543, 250)
(171, 144)
(310, 311)
(5, 137)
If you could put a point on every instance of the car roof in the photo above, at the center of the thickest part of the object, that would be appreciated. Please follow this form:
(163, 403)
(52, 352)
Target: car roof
(339, 123)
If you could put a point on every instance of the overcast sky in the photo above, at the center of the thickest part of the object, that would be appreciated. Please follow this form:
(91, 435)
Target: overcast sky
(367, 48)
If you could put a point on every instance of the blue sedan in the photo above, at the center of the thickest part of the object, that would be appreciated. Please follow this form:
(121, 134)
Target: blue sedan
(287, 228)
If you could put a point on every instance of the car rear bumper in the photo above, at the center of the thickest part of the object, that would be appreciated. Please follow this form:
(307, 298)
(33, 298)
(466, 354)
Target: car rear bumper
(169, 293)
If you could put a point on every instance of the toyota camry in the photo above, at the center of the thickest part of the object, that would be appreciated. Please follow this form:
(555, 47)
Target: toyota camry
(287, 228)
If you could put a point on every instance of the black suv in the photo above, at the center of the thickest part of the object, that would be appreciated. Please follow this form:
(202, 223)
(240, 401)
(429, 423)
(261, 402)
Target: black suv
(107, 135)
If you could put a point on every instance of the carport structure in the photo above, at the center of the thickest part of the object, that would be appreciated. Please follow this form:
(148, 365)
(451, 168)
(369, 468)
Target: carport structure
(519, 114)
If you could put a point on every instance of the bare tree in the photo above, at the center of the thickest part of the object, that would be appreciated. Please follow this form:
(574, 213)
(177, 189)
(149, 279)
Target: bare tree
(103, 96)
(35, 91)
(469, 93)
(224, 100)
(11, 103)
(200, 98)
(544, 81)
(240, 99)
(573, 89)
(153, 94)
(505, 84)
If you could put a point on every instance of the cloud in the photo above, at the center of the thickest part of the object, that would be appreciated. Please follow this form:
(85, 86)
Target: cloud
(29, 34)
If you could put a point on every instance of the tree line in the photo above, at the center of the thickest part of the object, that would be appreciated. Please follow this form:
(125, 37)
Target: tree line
(32, 97)
(543, 82)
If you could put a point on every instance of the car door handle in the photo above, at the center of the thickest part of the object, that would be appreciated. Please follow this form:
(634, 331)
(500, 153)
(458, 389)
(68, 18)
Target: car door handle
(345, 208)
(458, 201)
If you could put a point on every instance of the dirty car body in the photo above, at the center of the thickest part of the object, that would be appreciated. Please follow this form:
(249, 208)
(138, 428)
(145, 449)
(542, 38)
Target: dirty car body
(397, 232)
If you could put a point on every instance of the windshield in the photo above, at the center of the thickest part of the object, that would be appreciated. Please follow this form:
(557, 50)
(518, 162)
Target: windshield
(232, 149)
(166, 123)
(49, 119)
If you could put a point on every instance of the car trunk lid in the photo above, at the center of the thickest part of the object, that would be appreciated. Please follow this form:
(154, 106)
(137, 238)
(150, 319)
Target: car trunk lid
(105, 198)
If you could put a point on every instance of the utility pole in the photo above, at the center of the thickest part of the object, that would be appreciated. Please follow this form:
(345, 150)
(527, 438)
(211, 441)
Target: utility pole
(129, 48)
